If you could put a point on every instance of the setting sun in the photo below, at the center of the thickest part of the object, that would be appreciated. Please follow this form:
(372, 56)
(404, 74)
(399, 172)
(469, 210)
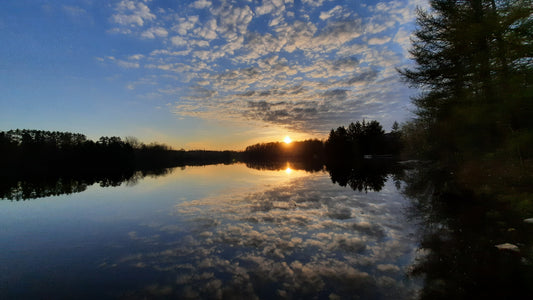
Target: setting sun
(287, 140)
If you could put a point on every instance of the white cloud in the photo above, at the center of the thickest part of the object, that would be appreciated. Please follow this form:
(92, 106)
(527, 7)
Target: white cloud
(338, 33)
(169, 53)
(314, 3)
(324, 15)
(178, 41)
(201, 4)
(233, 20)
(270, 6)
(154, 32)
(132, 13)
(127, 64)
(136, 57)
(379, 41)
(208, 31)
(403, 38)
(308, 69)
(185, 24)
(74, 11)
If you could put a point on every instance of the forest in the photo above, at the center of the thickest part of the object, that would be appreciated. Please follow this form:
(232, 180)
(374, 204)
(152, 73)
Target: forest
(473, 134)
(359, 140)
(37, 152)
(473, 64)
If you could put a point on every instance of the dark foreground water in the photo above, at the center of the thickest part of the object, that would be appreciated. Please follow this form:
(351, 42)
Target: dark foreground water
(229, 231)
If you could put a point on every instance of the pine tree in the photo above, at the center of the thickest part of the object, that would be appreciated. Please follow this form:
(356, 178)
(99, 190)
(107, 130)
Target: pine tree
(474, 66)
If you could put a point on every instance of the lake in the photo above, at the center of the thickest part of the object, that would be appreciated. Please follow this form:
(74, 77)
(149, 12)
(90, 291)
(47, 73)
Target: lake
(218, 231)
(369, 230)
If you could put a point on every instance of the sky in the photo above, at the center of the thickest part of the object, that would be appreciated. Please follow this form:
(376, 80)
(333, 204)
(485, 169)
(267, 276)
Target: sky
(204, 74)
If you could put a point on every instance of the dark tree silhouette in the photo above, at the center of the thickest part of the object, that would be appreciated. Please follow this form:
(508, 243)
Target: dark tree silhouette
(360, 139)
(25, 153)
(473, 63)
(308, 150)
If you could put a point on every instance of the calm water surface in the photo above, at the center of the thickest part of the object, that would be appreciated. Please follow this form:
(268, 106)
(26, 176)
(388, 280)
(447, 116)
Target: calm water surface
(222, 231)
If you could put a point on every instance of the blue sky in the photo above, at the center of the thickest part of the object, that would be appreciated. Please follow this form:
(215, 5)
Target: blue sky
(203, 74)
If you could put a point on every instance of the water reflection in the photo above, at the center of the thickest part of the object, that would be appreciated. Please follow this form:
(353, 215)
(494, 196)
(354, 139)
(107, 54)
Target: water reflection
(46, 185)
(303, 239)
(274, 165)
(287, 231)
(217, 232)
(360, 176)
(366, 175)
(461, 235)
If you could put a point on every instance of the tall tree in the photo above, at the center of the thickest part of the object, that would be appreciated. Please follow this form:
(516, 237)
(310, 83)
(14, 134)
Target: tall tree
(474, 67)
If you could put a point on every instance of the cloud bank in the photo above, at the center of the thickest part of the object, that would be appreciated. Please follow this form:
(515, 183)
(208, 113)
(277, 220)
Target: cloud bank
(305, 66)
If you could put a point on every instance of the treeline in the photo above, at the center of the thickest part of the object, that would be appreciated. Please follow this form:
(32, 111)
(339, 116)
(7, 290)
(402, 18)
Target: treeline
(308, 150)
(359, 140)
(362, 139)
(38, 151)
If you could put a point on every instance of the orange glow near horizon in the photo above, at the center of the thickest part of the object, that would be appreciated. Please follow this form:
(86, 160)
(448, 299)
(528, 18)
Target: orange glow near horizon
(287, 140)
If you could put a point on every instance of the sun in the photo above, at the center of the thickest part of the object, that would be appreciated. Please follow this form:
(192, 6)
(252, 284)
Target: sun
(287, 140)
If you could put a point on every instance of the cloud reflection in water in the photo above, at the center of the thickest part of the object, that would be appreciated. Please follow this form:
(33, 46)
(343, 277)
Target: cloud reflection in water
(306, 238)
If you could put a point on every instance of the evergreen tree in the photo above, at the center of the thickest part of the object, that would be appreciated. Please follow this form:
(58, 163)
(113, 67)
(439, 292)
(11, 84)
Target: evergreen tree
(474, 66)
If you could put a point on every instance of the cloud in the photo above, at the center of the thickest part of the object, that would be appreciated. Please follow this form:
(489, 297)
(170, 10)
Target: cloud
(314, 3)
(127, 64)
(136, 57)
(185, 24)
(338, 33)
(132, 13)
(233, 20)
(403, 38)
(379, 41)
(178, 41)
(270, 6)
(208, 31)
(74, 11)
(324, 15)
(201, 4)
(154, 32)
(342, 61)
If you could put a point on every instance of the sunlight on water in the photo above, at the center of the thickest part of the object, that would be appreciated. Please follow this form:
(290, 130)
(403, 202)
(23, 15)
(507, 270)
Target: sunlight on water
(216, 231)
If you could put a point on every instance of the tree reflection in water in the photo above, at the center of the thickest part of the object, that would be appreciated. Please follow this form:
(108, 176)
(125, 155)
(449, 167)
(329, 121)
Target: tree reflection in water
(459, 233)
(46, 185)
(299, 238)
(360, 175)
(366, 175)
